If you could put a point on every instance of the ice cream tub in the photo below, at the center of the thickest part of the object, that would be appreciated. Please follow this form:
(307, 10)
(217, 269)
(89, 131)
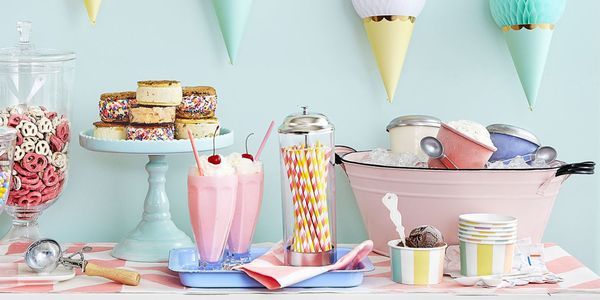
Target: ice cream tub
(527, 194)
(418, 266)
(511, 141)
(477, 259)
(464, 151)
(406, 132)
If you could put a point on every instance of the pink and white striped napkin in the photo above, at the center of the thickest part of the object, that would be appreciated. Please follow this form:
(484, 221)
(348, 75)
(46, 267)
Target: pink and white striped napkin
(270, 271)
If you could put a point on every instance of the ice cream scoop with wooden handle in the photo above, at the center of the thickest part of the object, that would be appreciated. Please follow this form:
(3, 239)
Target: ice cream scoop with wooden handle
(119, 275)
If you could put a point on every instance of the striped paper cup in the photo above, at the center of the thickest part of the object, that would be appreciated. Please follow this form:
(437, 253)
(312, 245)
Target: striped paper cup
(502, 236)
(487, 228)
(478, 259)
(487, 232)
(492, 220)
(487, 241)
(419, 266)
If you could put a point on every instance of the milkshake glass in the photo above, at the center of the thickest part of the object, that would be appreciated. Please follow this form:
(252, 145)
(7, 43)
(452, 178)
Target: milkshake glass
(211, 202)
(249, 200)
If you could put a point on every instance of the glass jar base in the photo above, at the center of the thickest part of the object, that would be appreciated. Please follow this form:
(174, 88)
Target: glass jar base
(22, 231)
(298, 259)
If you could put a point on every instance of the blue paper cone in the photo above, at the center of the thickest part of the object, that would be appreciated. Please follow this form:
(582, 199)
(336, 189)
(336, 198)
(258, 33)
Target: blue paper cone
(233, 16)
(529, 50)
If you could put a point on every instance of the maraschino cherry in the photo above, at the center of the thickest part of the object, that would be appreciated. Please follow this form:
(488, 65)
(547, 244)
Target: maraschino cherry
(248, 155)
(214, 159)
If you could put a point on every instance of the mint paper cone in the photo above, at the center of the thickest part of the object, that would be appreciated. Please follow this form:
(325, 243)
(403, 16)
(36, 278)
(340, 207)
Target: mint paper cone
(233, 16)
(529, 50)
(528, 26)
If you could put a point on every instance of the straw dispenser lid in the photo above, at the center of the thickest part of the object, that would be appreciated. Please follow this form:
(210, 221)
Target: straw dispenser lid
(414, 120)
(306, 123)
(514, 131)
(25, 52)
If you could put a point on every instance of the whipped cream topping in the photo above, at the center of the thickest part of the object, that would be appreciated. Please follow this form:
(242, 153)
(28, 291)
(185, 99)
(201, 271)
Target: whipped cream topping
(222, 169)
(473, 130)
(244, 166)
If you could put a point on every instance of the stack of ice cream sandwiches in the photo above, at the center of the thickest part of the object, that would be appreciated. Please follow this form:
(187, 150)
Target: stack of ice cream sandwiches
(158, 111)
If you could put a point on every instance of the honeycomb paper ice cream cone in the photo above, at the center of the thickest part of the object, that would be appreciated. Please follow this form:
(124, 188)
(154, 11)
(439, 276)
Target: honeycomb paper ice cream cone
(92, 7)
(389, 25)
(528, 26)
(233, 16)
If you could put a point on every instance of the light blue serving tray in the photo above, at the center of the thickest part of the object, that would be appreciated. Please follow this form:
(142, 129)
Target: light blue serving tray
(185, 262)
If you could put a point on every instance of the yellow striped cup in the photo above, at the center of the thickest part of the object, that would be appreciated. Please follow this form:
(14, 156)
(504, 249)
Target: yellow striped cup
(417, 265)
(482, 259)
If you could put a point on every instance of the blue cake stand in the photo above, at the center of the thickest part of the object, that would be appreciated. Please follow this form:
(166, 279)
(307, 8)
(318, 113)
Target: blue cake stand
(156, 233)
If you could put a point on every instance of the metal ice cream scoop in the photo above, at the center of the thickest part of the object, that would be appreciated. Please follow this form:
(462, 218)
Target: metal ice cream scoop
(546, 153)
(45, 255)
(434, 149)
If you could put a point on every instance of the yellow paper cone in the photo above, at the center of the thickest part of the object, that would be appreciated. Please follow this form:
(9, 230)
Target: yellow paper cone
(389, 38)
(92, 6)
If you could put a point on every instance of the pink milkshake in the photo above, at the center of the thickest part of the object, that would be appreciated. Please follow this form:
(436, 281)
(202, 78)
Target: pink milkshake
(211, 202)
(249, 199)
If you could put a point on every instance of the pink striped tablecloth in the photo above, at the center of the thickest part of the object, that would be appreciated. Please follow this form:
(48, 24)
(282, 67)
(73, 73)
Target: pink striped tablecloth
(158, 279)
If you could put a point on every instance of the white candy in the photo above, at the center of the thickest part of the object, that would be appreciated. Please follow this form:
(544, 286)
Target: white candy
(28, 146)
(27, 128)
(42, 148)
(17, 180)
(59, 160)
(19, 153)
(45, 125)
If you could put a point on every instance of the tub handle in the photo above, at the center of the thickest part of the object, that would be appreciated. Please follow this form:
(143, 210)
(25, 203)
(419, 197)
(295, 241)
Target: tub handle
(586, 167)
(341, 150)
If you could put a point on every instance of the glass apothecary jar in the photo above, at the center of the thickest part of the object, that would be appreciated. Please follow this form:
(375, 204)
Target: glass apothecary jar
(36, 86)
(308, 189)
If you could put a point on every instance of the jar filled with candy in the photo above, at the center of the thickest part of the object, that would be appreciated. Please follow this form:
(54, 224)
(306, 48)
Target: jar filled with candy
(7, 148)
(35, 92)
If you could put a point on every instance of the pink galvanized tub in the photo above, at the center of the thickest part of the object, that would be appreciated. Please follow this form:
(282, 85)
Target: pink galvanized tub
(437, 197)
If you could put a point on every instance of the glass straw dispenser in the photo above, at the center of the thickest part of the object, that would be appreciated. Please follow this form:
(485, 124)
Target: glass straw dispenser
(308, 189)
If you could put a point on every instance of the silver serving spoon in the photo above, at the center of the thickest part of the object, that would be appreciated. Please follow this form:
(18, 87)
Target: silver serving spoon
(434, 149)
(45, 255)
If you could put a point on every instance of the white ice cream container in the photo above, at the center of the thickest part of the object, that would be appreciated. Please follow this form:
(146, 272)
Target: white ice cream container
(406, 132)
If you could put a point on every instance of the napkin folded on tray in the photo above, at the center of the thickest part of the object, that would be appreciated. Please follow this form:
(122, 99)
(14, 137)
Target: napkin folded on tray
(270, 271)
(528, 267)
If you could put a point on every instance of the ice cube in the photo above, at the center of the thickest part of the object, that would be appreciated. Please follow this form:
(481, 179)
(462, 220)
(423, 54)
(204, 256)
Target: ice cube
(518, 163)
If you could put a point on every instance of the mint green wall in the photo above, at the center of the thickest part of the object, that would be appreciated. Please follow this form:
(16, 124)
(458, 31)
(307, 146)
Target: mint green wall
(315, 53)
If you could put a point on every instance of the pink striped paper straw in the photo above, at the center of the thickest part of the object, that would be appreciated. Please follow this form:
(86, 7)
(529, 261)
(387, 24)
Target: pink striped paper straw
(191, 136)
(264, 141)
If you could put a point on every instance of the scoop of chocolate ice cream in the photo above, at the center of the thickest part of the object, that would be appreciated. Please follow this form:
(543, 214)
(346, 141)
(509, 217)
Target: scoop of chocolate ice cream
(425, 236)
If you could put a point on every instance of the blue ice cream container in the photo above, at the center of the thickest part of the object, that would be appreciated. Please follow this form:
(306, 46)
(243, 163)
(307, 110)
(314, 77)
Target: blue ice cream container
(511, 141)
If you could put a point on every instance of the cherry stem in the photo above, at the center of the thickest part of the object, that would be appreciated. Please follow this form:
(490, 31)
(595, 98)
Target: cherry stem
(247, 141)
(214, 138)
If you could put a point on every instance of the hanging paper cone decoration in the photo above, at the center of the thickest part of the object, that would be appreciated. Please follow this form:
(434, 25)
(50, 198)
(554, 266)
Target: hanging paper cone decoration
(92, 6)
(233, 16)
(527, 26)
(389, 25)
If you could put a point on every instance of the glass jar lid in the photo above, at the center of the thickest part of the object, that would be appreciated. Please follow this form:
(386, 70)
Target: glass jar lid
(414, 120)
(306, 123)
(25, 52)
(514, 131)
